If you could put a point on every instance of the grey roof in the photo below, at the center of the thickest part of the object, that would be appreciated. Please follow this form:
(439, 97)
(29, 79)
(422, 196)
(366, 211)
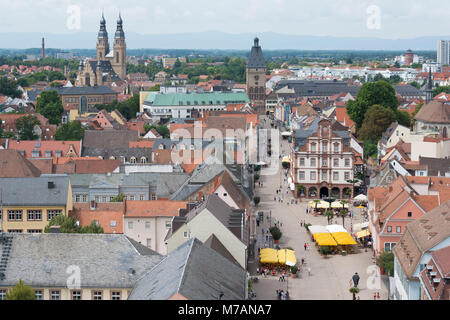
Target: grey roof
(301, 135)
(194, 271)
(106, 153)
(164, 184)
(214, 243)
(408, 90)
(435, 166)
(202, 174)
(231, 218)
(109, 138)
(105, 260)
(82, 90)
(317, 88)
(105, 67)
(35, 191)
(256, 58)
(167, 143)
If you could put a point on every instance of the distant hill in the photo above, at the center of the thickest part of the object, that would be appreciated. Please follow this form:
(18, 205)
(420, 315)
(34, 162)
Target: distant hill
(218, 40)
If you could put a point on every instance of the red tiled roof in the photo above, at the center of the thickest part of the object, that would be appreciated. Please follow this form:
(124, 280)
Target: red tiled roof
(153, 208)
(43, 146)
(105, 214)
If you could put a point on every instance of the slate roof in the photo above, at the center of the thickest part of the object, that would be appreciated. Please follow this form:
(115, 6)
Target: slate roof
(408, 90)
(35, 191)
(164, 184)
(194, 271)
(435, 166)
(105, 260)
(109, 138)
(317, 88)
(256, 58)
(105, 67)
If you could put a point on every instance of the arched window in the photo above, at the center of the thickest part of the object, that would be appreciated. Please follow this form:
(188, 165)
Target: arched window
(132, 160)
(122, 159)
(143, 160)
(112, 158)
(117, 57)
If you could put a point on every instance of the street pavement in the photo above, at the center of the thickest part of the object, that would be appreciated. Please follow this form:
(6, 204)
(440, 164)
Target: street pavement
(330, 277)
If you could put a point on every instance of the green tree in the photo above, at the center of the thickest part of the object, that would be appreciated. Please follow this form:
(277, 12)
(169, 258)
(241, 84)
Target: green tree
(403, 118)
(9, 88)
(395, 79)
(92, 228)
(386, 262)
(370, 149)
(438, 90)
(371, 93)
(256, 200)
(415, 84)
(70, 225)
(20, 292)
(330, 215)
(118, 198)
(155, 88)
(50, 106)
(343, 215)
(377, 119)
(161, 129)
(25, 127)
(66, 224)
(276, 233)
(354, 291)
(71, 131)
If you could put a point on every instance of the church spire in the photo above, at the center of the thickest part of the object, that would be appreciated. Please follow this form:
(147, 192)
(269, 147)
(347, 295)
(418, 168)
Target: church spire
(119, 30)
(103, 33)
(429, 90)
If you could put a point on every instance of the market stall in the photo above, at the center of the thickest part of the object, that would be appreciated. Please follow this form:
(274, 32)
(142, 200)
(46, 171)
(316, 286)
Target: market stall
(324, 240)
(317, 229)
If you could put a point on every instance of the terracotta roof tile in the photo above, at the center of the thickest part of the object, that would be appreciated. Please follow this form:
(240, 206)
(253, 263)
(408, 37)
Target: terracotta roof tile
(154, 208)
(105, 214)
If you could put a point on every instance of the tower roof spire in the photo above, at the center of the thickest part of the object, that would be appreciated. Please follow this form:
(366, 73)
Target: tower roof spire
(119, 30)
(103, 33)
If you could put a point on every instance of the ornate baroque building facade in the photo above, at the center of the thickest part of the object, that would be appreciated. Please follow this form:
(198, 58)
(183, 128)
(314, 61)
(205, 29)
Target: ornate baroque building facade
(110, 65)
(323, 161)
(256, 78)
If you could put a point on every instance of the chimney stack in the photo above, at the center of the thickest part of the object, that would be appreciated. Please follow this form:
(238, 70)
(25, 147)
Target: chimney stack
(43, 48)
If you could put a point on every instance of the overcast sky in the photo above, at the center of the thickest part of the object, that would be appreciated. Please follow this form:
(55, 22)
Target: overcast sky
(398, 18)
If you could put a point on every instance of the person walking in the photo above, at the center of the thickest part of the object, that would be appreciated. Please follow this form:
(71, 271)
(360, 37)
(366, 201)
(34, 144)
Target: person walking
(355, 279)
(309, 271)
(305, 246)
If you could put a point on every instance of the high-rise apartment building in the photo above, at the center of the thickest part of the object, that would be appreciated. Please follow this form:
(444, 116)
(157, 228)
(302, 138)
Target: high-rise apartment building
(443, 52)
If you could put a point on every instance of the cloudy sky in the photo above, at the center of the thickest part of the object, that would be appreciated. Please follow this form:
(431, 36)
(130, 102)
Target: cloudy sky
(390, 19)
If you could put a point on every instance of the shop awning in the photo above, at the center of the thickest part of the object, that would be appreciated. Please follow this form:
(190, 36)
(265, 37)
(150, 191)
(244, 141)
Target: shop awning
(321, 205)
(286, 159)
(317, 229)
(287, 257)
(268, 255)
(324, 239)
(343, 238)
(335, 228)
(338, 205)
(363, 233)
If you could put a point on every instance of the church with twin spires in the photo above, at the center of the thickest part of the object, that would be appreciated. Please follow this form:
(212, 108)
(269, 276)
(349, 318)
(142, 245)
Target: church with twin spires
(110, 65)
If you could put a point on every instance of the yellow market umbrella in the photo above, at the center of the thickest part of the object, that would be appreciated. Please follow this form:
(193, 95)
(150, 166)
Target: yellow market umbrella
(360, 207)
(343, 238)
(338, 205)
(363, 233)
(286, 159)
(291, 260)
(324, 239)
